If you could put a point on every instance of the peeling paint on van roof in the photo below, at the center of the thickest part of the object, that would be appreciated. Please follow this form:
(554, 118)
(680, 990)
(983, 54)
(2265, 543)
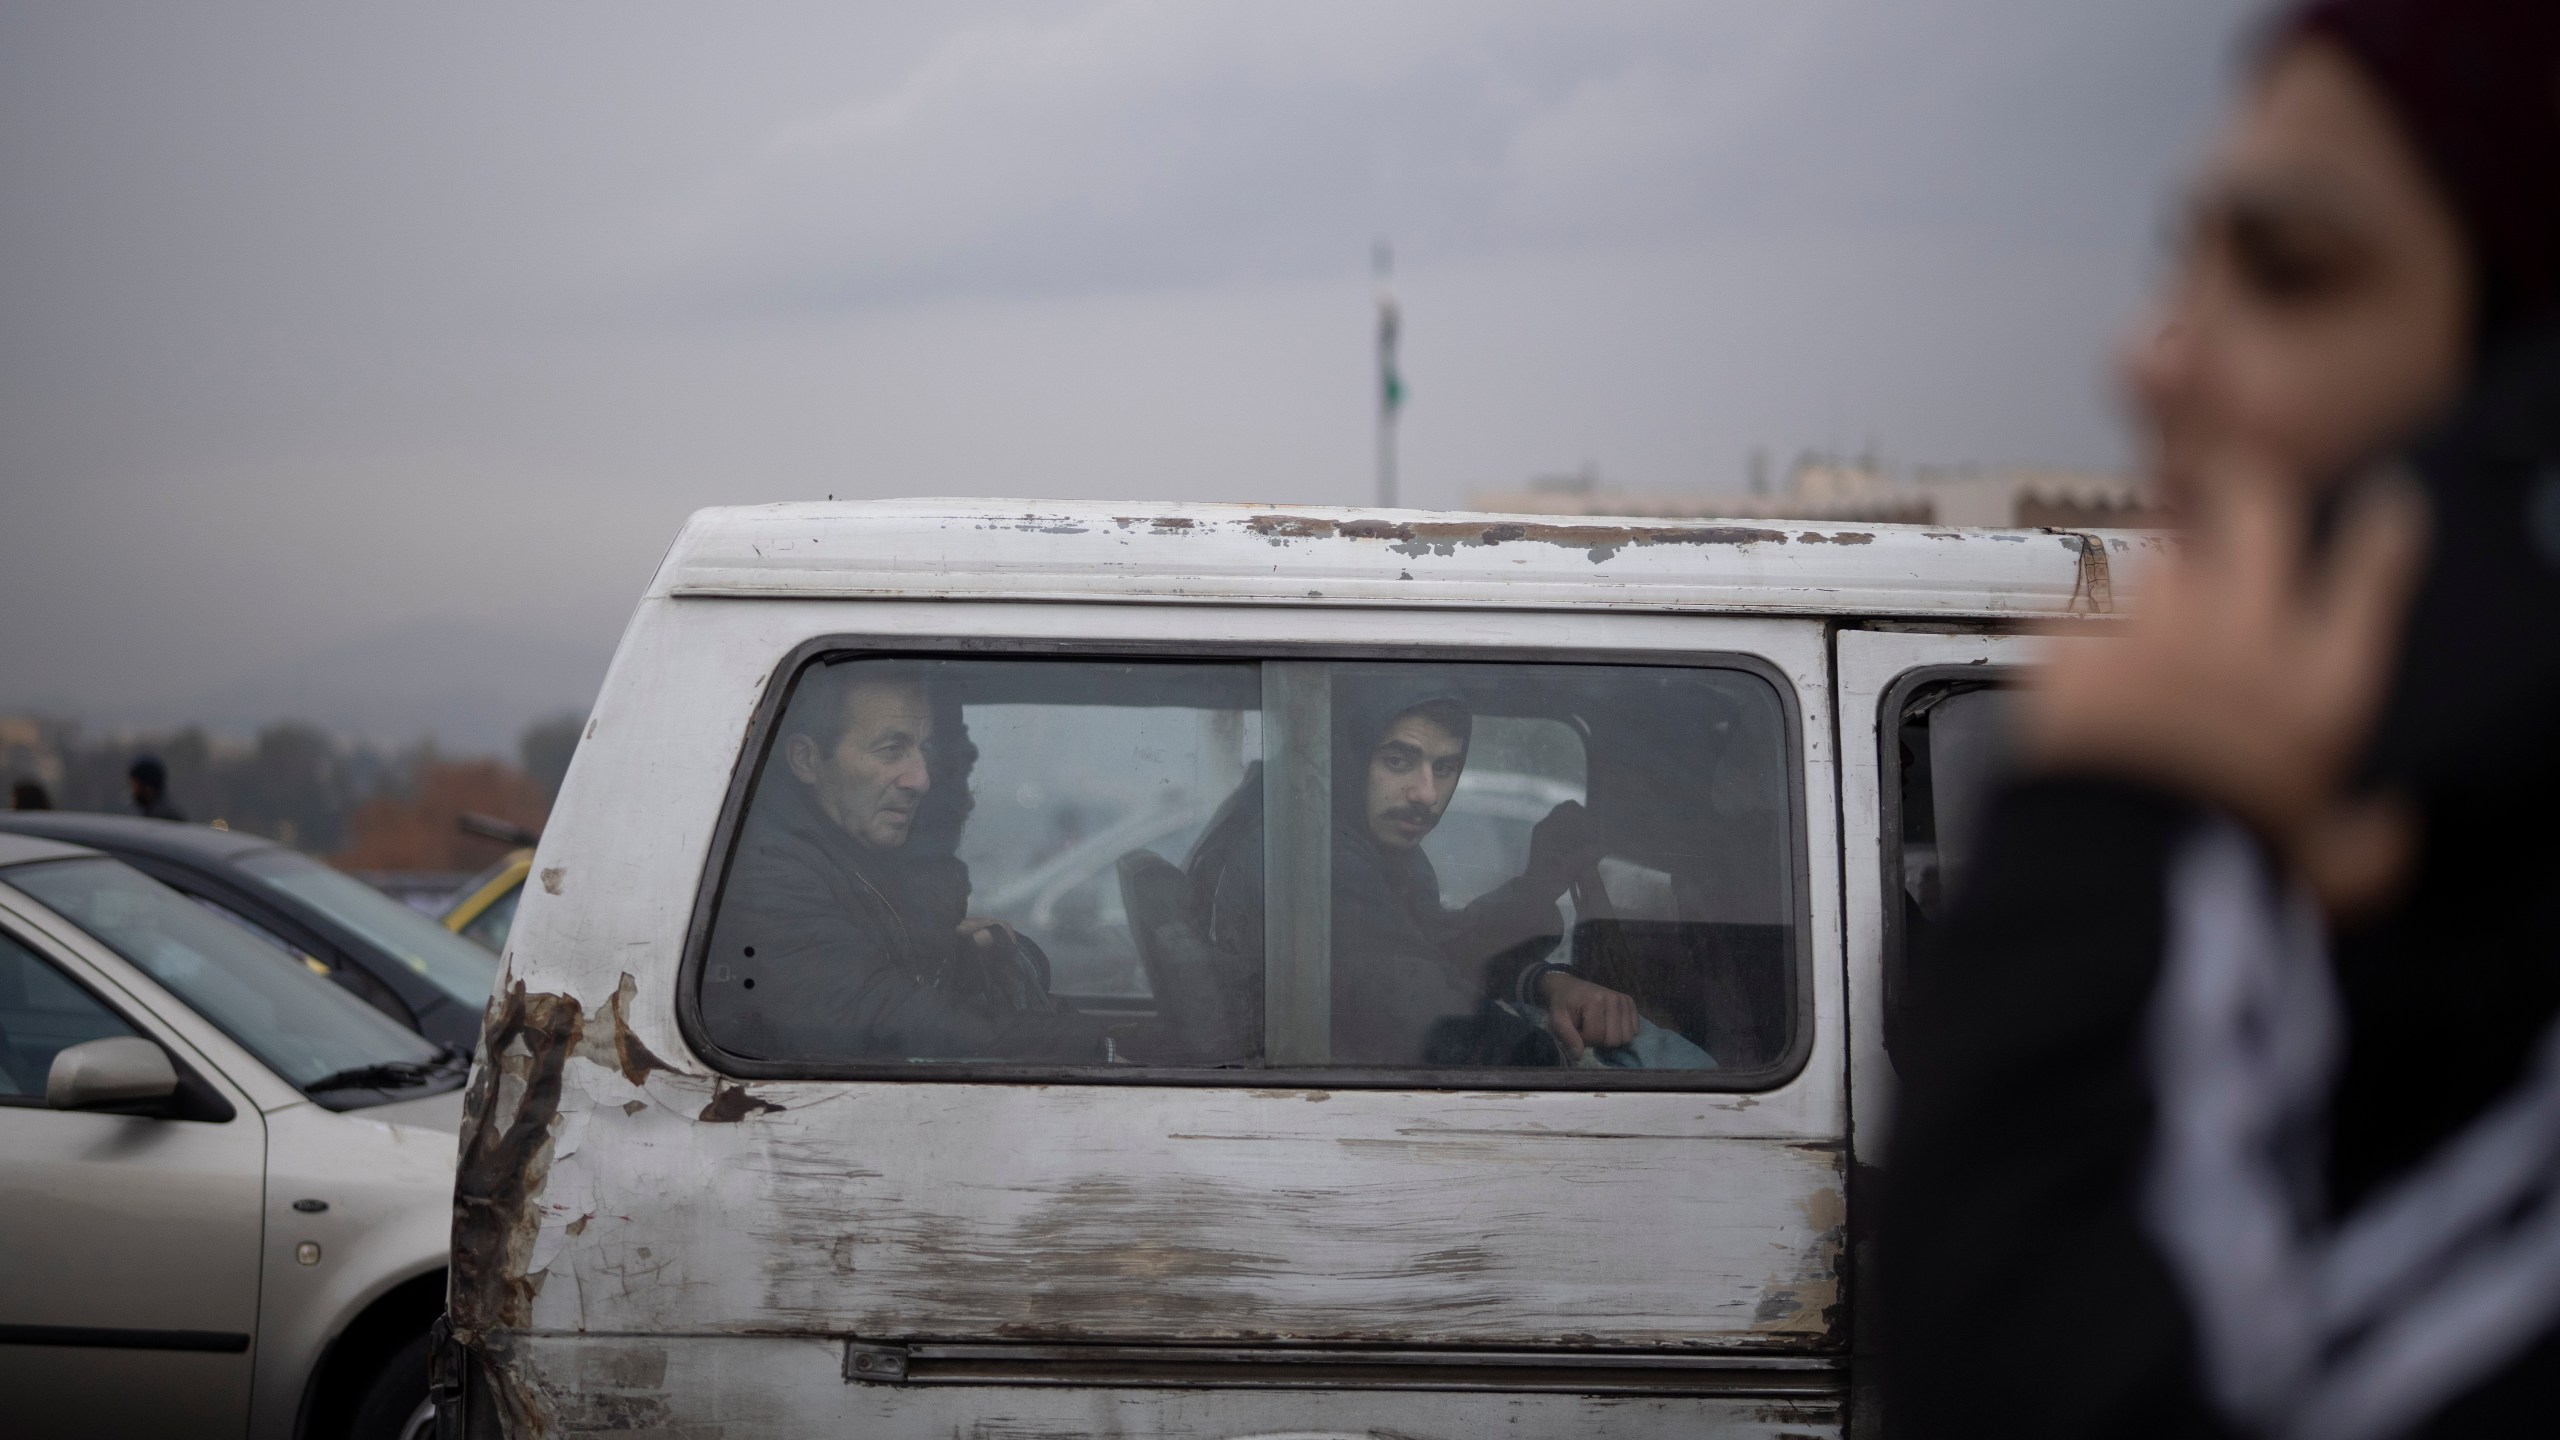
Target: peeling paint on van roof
(1333, 556)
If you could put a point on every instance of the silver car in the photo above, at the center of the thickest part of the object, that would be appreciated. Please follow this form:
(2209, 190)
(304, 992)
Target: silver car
(224, 1181)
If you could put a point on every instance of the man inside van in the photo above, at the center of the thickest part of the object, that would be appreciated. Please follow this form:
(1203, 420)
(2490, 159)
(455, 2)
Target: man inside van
(1404, 963)
(836, 942)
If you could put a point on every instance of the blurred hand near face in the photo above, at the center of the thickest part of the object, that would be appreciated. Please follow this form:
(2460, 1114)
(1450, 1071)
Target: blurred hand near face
(2317, 314)
(2253, 674)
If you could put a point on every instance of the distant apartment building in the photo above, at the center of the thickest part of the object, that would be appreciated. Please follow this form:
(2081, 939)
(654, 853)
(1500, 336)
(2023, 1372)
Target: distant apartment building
(1829, 490)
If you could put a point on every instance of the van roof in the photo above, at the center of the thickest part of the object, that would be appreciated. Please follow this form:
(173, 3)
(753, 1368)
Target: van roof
(1321, 555)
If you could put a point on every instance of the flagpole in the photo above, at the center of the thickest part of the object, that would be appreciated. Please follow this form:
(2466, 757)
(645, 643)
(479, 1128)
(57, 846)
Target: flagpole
(1390, 383)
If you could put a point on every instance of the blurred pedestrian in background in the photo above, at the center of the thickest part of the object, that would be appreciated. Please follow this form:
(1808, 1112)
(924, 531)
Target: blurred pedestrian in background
(2232, 1099)
(29, 795)
(148, 783)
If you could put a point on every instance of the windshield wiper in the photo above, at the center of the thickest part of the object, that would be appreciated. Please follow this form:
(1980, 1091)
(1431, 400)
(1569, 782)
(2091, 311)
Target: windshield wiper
(388, 1074)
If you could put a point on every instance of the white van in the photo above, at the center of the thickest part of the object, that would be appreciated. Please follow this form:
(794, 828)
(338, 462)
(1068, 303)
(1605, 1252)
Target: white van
(1034, 968)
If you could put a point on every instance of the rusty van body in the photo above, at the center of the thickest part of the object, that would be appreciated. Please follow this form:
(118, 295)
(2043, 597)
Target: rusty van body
(666, 1225)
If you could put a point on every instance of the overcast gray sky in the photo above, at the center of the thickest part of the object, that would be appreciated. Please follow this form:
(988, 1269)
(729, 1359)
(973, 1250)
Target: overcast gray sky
(359, 361)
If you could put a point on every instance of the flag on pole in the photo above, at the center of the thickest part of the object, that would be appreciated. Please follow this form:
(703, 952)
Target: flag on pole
(1390, 380)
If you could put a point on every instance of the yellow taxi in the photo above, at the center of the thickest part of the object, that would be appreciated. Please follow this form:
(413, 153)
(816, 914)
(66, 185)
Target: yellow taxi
(485, 907)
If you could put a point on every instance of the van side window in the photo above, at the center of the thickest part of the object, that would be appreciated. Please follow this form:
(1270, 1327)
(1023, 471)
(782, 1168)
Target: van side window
(1944, 758)
(937, 859)
(1585, 870)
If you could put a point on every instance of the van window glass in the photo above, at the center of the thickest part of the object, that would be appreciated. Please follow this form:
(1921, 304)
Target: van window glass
(1518, 768)
(1071, 863)
(966, 860)
(1948, 753)
(42, 1012)
(1514, 849)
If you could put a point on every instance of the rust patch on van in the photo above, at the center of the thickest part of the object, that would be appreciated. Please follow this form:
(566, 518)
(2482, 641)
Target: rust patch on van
(507, 1118)
(732, 1104)
(1291, 527)
(617, 1048)
(1376, 530)
(1446, 537)
(510, 1372)
(2093, 589)
(1809, 1302)
(585, 1410)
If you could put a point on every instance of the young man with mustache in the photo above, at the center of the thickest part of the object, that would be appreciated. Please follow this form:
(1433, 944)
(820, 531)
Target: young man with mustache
(1402, 961)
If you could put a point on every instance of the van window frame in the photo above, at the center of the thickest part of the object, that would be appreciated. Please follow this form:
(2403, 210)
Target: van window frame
(763, 727)
(1894, 967)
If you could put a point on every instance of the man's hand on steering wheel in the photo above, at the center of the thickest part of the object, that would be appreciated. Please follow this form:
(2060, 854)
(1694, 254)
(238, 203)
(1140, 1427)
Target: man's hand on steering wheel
(1583, 1014)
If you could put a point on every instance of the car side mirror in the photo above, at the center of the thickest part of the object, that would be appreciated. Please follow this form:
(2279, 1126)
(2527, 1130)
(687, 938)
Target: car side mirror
(120, 1070)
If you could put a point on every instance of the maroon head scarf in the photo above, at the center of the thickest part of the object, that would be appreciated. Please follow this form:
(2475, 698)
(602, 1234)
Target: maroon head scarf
(2476, 84)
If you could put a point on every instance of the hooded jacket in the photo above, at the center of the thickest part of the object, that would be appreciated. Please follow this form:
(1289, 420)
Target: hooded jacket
(1404, 964)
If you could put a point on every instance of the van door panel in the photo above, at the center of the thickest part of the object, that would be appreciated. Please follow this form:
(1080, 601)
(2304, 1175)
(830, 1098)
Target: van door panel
(1127, 1214)
(658, 1198)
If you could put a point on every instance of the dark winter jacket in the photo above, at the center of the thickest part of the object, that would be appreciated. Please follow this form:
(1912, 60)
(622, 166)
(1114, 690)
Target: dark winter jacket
(828, 949)
(1402, 961)
(2031, 1284)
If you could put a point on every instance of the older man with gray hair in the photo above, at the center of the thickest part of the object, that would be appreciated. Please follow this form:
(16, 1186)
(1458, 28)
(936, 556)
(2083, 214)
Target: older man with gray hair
(834, 942)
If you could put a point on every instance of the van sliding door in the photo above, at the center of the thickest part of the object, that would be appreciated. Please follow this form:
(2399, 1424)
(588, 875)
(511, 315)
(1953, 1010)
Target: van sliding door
(1277, 1125)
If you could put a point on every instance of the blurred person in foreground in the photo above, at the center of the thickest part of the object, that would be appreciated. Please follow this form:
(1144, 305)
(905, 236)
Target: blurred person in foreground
(2232, 1102)
(147, 782)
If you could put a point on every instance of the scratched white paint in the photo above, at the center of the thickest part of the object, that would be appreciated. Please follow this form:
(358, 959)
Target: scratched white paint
(1161, 552)
(896, 1211)
(1182, 1214)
